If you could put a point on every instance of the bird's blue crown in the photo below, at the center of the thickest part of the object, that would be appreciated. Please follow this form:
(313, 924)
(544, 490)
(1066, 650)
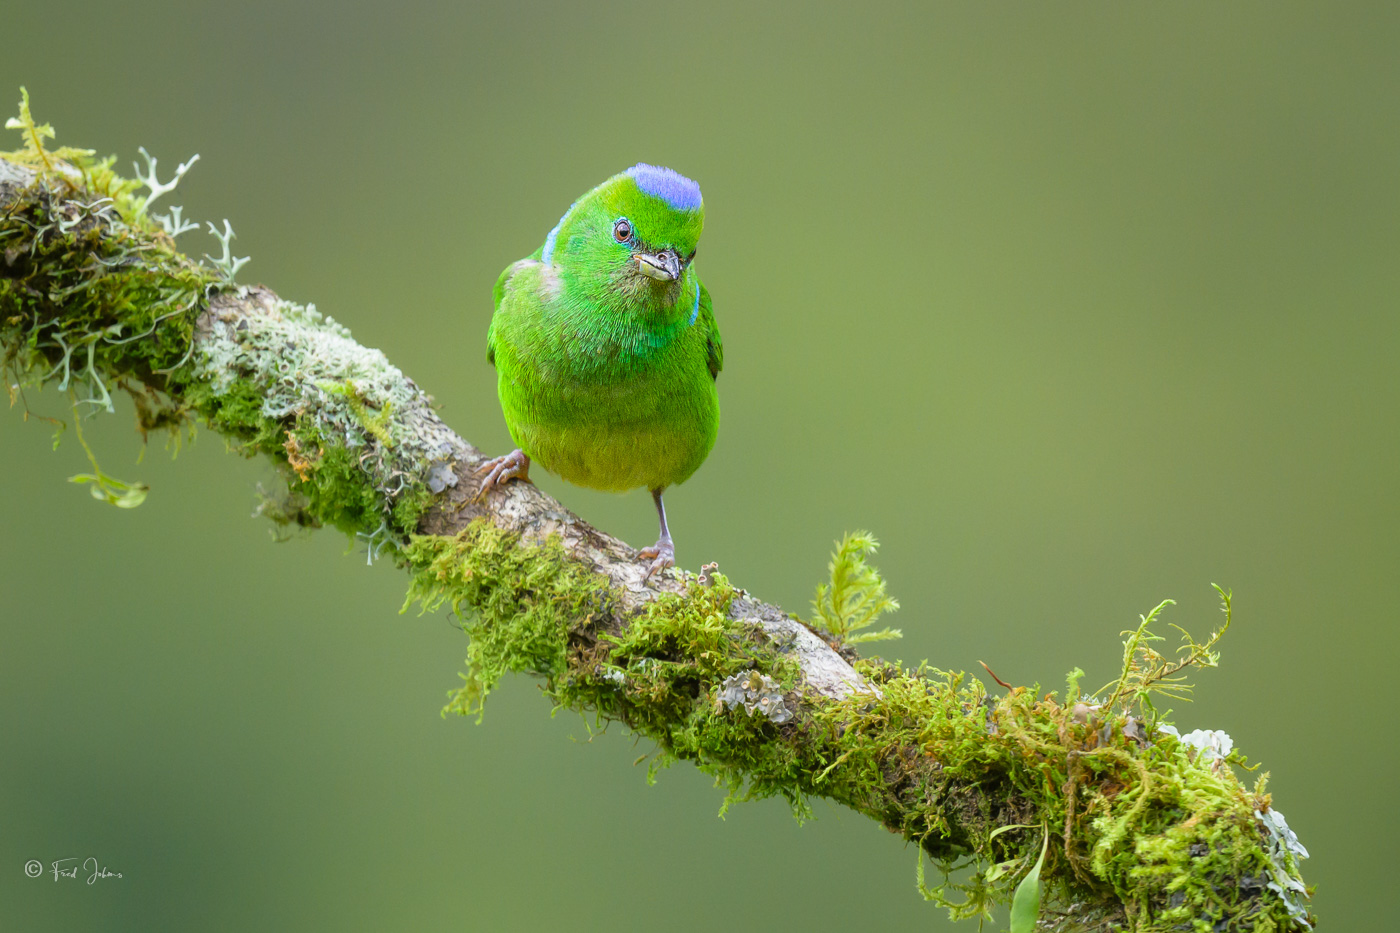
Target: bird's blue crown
(668, 185)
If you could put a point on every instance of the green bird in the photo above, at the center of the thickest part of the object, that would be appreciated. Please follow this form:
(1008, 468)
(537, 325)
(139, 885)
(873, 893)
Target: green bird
(606, 348)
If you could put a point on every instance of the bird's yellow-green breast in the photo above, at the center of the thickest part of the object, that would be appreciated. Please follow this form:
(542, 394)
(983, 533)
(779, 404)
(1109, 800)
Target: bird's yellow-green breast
(604, 341)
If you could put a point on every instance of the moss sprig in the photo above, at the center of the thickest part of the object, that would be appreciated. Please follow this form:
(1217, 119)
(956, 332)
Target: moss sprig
(32, 152)
(855, 596)
(1147, 671)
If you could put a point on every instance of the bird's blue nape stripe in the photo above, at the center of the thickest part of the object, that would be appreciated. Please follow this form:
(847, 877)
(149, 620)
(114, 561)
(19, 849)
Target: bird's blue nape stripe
(670, 186)
(554, 235)
(549, 242)
(695, 309)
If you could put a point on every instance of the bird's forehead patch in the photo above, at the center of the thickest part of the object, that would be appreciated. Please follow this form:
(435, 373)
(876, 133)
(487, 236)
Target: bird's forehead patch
(670, 186)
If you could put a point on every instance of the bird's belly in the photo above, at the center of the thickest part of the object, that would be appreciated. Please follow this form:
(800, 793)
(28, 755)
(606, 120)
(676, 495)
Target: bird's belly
(616, 437)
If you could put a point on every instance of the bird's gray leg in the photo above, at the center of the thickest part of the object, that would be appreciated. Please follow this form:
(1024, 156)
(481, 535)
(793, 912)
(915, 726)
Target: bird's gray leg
(662, 554)
(514, 465)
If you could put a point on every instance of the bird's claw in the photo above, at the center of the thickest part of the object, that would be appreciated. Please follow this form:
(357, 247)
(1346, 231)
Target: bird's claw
(662, 554)
(499, 470)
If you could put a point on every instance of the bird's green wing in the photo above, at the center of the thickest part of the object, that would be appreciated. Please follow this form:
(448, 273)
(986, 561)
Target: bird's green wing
(497, 293)
(714, 346)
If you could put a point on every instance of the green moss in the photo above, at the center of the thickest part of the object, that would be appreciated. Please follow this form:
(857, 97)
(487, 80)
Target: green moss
(410, 506)
(93, 295)
(1174, 838)
(85, 293)
(376, 425)
(518, 602)
(661, 675)
(237, 413)
(531, 608)
(337, 492)
(91, 284)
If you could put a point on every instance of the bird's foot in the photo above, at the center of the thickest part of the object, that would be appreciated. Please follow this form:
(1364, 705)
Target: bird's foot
(662, 554)
(499, 470)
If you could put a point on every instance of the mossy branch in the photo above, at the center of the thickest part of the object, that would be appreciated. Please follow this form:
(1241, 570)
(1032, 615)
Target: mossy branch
(1148, 831)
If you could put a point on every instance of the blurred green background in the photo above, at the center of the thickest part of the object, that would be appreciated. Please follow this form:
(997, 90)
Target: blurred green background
(1076, 306)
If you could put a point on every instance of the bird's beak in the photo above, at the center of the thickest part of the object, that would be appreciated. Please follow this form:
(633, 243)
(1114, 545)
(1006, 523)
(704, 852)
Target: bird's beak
(664, 266)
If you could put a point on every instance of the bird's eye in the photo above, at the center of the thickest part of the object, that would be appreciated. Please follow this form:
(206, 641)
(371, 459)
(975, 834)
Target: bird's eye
(622, 231)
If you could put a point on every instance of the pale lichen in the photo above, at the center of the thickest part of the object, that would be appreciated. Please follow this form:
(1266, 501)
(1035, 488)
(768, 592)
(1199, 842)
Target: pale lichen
(755, 693)
(1213, 746)
(154, 185)
(227, 263)
(287, 372)
(1284, 852)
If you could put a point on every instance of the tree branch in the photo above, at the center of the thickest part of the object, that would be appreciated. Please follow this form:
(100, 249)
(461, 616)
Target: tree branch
(1150, 832)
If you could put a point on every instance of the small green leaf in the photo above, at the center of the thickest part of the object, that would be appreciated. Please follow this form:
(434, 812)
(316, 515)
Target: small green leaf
(1025, 904)
(105, 488)
(113, 491)
(131, 498)
(994, 873)
(885, 634)
(1006, 829)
